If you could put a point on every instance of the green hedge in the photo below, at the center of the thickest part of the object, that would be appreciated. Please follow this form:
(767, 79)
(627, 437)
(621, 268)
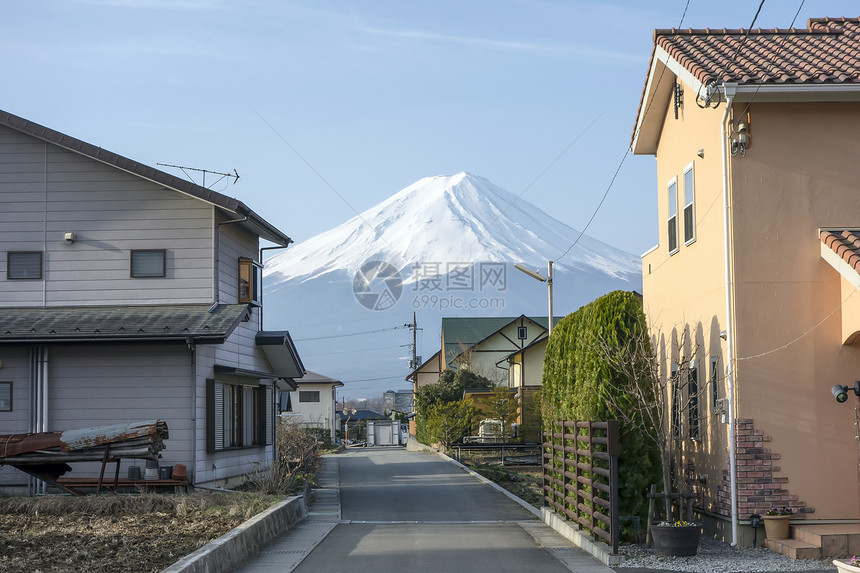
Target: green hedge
(574, 386)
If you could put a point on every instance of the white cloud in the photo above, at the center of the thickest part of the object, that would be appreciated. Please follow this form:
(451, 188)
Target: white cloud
(537, 48)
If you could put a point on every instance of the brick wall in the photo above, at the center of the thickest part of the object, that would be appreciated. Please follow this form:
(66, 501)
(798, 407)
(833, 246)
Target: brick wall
(758, 488)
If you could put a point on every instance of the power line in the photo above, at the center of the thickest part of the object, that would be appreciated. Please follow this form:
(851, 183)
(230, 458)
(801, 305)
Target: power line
(348, 334)
(624, 157)
(375, 379)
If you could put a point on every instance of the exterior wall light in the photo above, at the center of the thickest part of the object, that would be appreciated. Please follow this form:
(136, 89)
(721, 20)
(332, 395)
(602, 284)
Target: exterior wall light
(755, 521)
(841, 392)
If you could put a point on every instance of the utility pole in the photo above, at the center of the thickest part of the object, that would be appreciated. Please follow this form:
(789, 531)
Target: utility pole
(413, 326)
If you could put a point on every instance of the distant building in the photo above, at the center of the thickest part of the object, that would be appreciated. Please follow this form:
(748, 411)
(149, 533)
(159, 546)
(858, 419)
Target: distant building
(314, 403)
(400, 401)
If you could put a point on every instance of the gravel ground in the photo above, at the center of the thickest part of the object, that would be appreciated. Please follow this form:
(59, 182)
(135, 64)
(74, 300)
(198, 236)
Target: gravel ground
(718, 557)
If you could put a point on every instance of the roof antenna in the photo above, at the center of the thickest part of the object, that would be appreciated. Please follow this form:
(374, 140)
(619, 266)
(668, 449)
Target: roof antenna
(234, 175)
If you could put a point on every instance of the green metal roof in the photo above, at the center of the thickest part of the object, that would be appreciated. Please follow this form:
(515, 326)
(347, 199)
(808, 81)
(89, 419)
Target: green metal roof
(460, 334)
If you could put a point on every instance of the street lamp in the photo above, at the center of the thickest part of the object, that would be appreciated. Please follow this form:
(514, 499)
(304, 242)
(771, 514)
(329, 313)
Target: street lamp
(349, 413)
(544, 279)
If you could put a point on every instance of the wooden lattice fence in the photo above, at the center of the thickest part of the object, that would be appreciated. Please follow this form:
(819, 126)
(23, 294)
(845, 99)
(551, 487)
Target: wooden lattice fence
(580, 475)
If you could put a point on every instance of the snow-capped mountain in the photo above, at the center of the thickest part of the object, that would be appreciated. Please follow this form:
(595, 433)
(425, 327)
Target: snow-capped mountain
(450, 218)
(443, 246)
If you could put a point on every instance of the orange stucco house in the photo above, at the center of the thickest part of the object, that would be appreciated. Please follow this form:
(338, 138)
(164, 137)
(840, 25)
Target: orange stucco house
(757, 140)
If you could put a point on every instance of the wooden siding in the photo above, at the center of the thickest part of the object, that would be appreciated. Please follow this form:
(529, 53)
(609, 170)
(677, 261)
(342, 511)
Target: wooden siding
(234, 242)
(16, 370)
(101, 385)
(46, 191)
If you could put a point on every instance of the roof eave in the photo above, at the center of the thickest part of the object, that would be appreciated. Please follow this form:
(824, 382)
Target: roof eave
(112, 339)
(797, 92)
(657, 92)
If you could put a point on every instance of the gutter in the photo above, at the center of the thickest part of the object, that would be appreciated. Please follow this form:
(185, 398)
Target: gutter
(729, 92)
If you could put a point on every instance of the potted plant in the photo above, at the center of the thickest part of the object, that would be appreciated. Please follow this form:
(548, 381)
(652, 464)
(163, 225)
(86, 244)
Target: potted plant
(676, 538)
(848, 566)
(654, 405)
(776, 522)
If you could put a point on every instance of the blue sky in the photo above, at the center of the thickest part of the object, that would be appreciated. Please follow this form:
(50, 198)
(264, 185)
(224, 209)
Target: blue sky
(312, 101)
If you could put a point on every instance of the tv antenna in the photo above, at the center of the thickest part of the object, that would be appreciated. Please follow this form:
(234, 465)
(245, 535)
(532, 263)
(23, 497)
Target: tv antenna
(234, 175)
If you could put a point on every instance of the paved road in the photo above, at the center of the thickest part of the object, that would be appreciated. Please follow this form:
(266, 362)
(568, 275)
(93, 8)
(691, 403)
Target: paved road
(417, 512)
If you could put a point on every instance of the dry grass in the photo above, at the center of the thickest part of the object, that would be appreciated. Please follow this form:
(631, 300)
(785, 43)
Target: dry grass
(115, 533)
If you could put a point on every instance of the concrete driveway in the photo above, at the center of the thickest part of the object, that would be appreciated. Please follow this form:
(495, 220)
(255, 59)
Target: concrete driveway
(414, 511)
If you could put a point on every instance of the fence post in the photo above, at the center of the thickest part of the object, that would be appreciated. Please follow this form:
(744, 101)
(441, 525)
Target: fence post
(614, 527)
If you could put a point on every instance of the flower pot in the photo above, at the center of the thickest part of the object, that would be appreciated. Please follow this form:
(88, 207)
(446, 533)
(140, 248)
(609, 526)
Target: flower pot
(672, 541)
(845, 566)
(776, 526)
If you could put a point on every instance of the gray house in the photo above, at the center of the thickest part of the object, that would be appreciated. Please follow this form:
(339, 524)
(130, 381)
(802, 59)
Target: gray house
(128, 294)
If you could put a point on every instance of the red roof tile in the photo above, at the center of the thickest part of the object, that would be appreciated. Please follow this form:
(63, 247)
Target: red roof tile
(827, 51)
(846, 244)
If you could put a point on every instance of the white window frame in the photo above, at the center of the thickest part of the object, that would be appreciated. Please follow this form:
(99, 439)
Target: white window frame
(690, 203)
(672, 219)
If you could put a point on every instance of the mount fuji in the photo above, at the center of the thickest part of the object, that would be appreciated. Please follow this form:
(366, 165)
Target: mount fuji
(443, 246)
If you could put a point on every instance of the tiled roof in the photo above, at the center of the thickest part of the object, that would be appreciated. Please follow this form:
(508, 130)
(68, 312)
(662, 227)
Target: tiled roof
(822, 60)
(120, 323)
(311, 377)
(846, 245)
(827, 51)
(260, 225)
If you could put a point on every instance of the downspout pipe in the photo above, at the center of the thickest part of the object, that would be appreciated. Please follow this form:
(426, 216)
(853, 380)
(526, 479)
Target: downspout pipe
(729, 92)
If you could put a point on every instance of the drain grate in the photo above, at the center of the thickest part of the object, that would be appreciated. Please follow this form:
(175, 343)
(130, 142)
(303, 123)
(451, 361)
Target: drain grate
(283, 552)
(319, 525)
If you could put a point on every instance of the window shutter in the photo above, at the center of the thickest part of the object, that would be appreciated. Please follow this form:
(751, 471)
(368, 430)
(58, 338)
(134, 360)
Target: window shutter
(248, 416)
(219, 417)
(270, 408)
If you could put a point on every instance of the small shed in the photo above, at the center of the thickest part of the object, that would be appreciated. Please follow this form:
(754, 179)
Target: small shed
(385, 433)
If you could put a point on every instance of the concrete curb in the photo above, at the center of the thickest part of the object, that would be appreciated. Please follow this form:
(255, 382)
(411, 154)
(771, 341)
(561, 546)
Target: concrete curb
(228, 551)
(597, 549)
